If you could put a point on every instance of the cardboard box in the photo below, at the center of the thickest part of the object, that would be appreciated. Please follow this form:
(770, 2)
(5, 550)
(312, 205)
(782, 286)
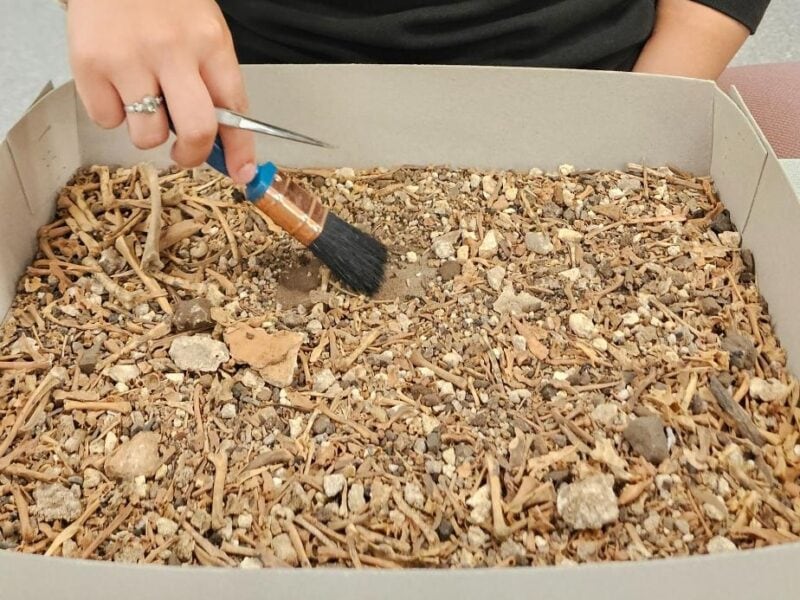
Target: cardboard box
(464, 117)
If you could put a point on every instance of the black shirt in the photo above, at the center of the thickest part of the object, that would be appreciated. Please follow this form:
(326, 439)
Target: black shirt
(589, 34)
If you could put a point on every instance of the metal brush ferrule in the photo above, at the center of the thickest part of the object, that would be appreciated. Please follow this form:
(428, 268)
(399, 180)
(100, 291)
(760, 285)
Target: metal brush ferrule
(293, 209)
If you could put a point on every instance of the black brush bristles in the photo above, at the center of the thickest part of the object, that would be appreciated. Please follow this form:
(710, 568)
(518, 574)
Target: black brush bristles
(355, 257)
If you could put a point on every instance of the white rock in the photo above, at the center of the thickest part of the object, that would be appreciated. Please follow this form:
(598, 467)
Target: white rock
(516, 304)
(605, 413)
(136, 457)
(228, 411)
(92, 478)
(769, 390)
(176, 378)
(123, 373)
(355, 498)
(474, 180)
(719, 544)
(449, 456)
(489, 185)
(244, 521)
(55, 502)
(413, 495)
(296, 427)
(581, 325)
(323, 380)
(538, 242)
(166, 526)
(443, 249)
(198, 353)
(630, 319)
(481, 504)
(571, 274)
(489, 245)
(569, 235)
(615, 193)
(452, 359)
(284, 549)
(588, 504)
(346, 173)
(477, 537)
(250, 562)
(600, 344)
(495, 276)
(730, 239)
(333, 484)
(429, 424)
(519, 343)
(412, 257)
(462, 254)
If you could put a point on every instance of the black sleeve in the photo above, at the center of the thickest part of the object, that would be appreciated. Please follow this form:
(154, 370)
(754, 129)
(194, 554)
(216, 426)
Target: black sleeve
(748, 12)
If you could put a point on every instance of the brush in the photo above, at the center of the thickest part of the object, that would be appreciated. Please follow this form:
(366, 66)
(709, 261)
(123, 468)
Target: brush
(353, 256)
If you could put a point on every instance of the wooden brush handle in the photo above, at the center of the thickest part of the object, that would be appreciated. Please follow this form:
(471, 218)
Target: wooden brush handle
(293, 209)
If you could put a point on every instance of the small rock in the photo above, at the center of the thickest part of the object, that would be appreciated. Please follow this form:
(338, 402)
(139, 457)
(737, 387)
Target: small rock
(89, 359)
(198, 250)
(443, 248)
(600, 344)
(228, 411)
(571, 274)
(730, 239)
(138, 456)
(647, 438)
(569, 235)
(450, 270)
(481, 504)
(709, 306)
(191, 315)
(445, 530)
(250, 562)
(720, 544)
(355, 498)
(588, 504)
(538, 242)
(770, 390)
(452, 359)
(477, 537)
(346, 173)
(449, 456)
(722, 222)
(324, 380)
(581, 325)
(321, 425)
(413, 495)
(123, 373)
(715, 509)
(605, 413)
(198, 353)
(55, 502)
(412, 257)
(516, 304)
(244, 521)
(201, 521)
(333, 484)
(495, 276)
(92, 478)
(433, 441)
(166, 526)
(741, 349)
(284, 550)
(489, 246)
(273, 355)
(630, 319)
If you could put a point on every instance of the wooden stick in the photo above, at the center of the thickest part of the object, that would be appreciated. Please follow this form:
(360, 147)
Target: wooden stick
(26, 530)
(155, 333)
(150, 256)
(103, 535)
(744, 424)
(420, 361)
(126, 298)
(294, 536)
(228, 232)
(122, 247)
(75, 526)
(326, 553)
(404, 508)
(345, 363)
(220, 462)
(24, 365)
(501, 530)
(55, 377)
(178, 232)
(120, 407)
(207, 546)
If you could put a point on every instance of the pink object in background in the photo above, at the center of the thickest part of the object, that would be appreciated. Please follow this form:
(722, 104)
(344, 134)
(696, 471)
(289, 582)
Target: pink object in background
(772, 93)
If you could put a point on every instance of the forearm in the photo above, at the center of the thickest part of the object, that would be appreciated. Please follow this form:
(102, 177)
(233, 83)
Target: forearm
(691, 40)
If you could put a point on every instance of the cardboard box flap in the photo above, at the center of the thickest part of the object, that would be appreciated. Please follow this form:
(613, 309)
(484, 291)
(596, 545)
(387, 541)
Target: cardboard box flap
(45, 149)
(483, 117)
(17, 235)
(772, 235)
(737, 160)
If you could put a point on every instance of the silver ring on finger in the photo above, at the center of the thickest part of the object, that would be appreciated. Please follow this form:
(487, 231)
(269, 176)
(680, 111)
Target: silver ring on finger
(147, 105)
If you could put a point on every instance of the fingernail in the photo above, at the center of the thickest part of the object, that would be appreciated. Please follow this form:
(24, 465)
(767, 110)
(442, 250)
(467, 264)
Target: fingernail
(246, 173)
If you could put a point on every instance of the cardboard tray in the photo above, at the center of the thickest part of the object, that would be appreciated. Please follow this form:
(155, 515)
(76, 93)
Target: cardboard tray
(481, 117)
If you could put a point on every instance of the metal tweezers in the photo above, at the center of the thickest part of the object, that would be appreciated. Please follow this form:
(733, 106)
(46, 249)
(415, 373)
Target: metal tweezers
(231, 119)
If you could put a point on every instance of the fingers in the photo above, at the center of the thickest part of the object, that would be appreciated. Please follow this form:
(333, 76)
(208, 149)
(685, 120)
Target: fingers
(225, 85)
(101, 100)
(192, 113)
(146, 130)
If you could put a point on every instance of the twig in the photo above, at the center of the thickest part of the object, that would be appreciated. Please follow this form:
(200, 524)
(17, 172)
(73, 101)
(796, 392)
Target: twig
(228, 232)
(744, 424)
(294, 536)
(75, 526)
(501, 530)
(103, 535)
(120, 407)
(55, 377)
(207, 546)
(326, 553)
(150, 256)
(122, 247)
(126, 298)
(220, 462)
(26, 529)
(404, 508)
(420, 361)
(345, 363)
(155, 333)
(24, 365)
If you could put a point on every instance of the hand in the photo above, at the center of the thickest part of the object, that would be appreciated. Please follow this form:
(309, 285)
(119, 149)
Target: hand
(124, 50)
(691, 40)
